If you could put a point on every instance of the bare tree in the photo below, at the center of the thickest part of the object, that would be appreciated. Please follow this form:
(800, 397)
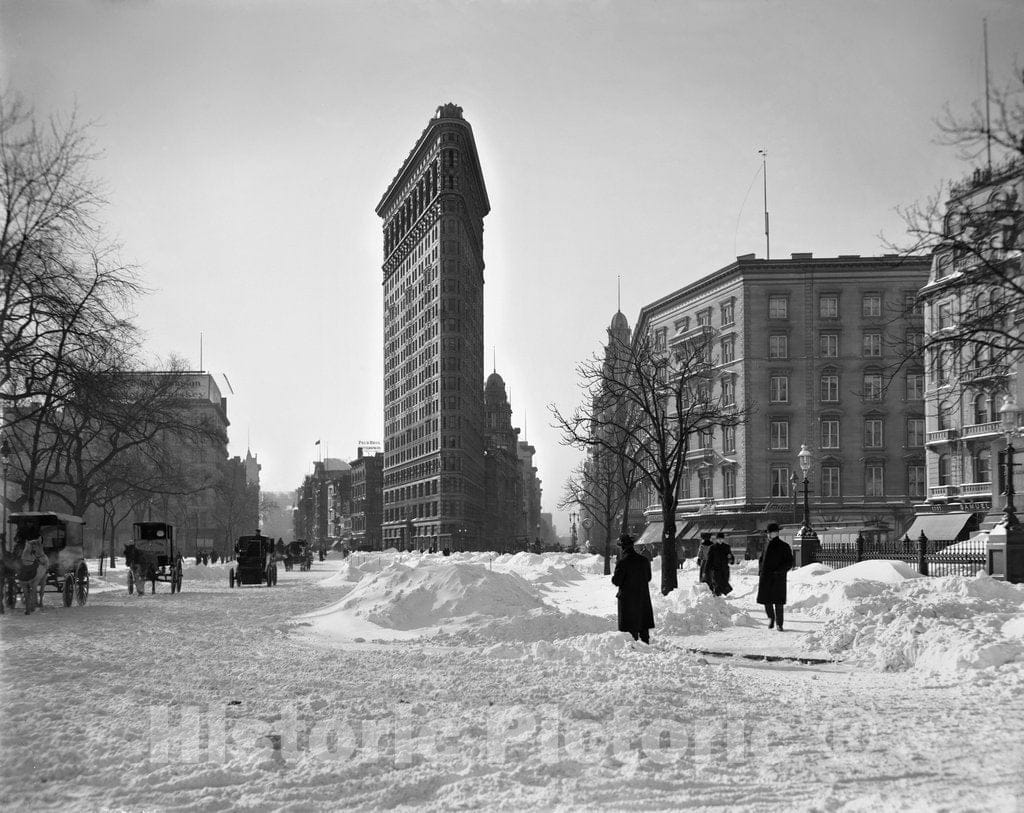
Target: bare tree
(649, 405)
(602, 486)
(65, 291)
(974, 231)
(116, 433)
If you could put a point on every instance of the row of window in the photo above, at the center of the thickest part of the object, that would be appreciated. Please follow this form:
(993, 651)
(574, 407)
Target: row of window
(872, 387)
(871, 305)
(828, 345)
(783, 483)
(873, 433)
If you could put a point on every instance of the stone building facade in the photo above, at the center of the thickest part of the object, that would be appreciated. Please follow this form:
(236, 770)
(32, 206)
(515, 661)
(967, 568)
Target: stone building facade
(505, 519)
(432, 214)
(966, 379)
(817, 351)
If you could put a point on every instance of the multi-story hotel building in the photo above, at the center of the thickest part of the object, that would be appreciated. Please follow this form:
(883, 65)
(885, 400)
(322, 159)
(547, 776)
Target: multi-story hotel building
(817, 351)
(967, 377)
(433, 267)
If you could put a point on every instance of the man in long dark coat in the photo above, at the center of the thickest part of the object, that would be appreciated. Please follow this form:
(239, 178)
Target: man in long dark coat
(775, 562)
(632, 575)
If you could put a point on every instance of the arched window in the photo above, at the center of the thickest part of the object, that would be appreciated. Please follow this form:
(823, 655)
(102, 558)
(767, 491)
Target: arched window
(943, 469)
(983, 408)
(982, 465)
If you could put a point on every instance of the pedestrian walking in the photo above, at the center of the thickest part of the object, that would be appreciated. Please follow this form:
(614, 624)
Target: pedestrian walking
(775, 562)
(632, 576)
(702, 559)
(720, 556)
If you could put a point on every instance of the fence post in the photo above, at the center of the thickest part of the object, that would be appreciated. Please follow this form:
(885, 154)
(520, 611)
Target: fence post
(922, 554)
(859, 547)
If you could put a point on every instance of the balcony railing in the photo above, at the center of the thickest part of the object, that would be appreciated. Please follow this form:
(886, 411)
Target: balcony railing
(942, 492)
(976, 489)
(979, 429)
(942, 436)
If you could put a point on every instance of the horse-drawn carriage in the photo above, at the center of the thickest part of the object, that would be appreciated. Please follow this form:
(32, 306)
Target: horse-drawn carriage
(57, 540)
(298, 552)
(153, 557)
(257, 561)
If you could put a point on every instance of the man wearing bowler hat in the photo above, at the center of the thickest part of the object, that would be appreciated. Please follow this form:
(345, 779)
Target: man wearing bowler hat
(775, 562)
(632, 575)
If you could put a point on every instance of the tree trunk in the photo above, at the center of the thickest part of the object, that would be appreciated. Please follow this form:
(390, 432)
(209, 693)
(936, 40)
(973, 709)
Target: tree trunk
(669, 558)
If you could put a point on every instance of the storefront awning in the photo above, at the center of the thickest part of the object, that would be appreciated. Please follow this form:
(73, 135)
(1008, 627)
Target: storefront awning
(944, 527)
(686, 530)
(651, 534)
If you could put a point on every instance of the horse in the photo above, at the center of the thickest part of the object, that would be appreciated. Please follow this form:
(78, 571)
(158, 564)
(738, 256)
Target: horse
(141, 567)
(30, 567)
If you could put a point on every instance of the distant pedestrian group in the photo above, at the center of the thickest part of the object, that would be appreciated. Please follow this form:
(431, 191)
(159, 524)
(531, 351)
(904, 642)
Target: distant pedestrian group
(713, 560)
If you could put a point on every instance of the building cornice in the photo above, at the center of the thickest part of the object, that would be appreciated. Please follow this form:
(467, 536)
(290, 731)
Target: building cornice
(752, 269)
(447, 115)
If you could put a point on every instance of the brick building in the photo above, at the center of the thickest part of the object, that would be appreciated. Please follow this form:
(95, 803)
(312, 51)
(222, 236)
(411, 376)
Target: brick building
(817, 350)
(367, 500)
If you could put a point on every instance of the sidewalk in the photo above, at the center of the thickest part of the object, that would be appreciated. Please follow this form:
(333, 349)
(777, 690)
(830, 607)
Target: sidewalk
(761, 642)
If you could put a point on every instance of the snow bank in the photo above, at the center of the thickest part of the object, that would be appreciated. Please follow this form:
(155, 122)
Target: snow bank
(953, 625)
(694, 610)
(819, 590)
(430, 594)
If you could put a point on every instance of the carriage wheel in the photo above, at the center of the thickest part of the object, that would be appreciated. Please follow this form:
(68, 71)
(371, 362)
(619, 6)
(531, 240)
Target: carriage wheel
(69, 590)
(82, 585)
(231, 578)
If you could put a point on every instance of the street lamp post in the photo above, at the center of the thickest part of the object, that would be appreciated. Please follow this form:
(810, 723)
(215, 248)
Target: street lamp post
(794, 488)
(806, 540)
(1008, 413)
(5, 461)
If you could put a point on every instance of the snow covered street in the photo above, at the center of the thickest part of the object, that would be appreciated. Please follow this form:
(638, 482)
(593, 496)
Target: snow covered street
(469, 682)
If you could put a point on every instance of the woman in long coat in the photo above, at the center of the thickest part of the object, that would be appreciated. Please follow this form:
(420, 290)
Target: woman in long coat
(720, 556)
(632, 575)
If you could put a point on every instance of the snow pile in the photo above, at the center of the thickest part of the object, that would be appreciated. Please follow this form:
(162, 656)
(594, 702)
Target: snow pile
(818, 590)
(590, 648)
(536, 567)
(430, 594)
(541, 624)
(354, 568)
(952, 626)
(694, 610)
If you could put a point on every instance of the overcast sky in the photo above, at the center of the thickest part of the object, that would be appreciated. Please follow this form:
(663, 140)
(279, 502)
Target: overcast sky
(244, 146)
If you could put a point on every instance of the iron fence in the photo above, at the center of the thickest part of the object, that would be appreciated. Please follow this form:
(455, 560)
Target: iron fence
(931, 557)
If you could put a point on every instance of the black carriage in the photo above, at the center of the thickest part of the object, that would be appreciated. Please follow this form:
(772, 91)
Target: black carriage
(256, 561)
(153, 557)
(62, 537)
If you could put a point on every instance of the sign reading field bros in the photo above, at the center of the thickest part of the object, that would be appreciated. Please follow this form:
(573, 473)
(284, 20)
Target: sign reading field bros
(370, 447)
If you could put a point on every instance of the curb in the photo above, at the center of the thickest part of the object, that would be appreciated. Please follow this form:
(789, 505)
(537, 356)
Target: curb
(765, 658)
